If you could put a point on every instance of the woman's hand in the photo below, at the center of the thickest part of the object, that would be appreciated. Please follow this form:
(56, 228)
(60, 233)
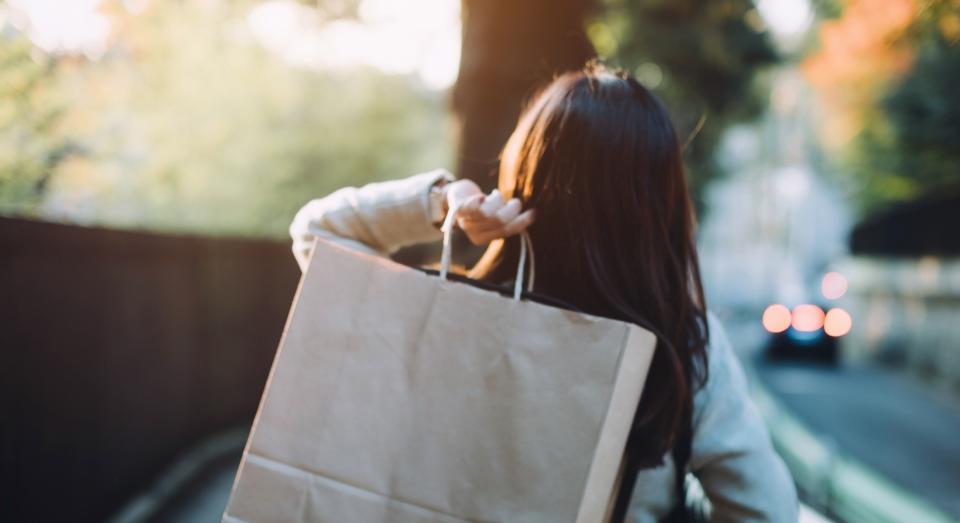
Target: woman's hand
(485, 218)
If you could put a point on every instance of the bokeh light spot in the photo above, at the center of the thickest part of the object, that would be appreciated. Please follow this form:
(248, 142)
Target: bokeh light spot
(833, 286)
(776, 318)
(838, 322)
(807, 318)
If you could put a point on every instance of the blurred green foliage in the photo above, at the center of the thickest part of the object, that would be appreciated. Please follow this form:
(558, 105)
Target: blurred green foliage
(702, 57)
(910, 145)
(925, 114)
(188, 124)
(31, 147)
(827, 9)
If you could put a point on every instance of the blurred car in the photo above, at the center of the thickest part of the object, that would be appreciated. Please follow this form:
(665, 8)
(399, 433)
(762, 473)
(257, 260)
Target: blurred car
(809, 331)
(793, 344)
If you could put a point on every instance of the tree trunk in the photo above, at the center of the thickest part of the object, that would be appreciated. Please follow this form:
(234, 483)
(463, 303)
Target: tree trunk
(510, 48)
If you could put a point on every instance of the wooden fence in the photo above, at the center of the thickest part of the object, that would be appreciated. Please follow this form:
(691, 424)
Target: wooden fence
(118, 350)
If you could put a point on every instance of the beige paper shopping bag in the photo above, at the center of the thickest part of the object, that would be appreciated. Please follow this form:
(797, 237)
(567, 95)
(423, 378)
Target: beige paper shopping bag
(397, 396)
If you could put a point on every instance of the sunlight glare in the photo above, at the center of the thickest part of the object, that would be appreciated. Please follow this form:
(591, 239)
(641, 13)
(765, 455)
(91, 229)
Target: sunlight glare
(395, 37)
(787, 18)
(74, 27)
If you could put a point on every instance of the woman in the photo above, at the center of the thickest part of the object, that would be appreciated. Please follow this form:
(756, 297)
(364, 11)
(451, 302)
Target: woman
(593, 172)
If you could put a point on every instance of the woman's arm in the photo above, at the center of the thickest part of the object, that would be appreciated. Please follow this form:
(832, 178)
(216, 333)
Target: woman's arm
(378, 217)
(732, 455)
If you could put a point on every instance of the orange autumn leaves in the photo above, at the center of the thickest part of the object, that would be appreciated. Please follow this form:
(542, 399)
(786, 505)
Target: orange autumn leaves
(859, 55)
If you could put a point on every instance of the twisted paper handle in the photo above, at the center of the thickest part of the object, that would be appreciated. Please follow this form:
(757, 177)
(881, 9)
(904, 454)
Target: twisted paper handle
(525, 246)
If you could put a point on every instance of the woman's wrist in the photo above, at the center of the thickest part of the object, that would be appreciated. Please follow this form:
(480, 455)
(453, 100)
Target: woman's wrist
(437, 198)
(444, 200)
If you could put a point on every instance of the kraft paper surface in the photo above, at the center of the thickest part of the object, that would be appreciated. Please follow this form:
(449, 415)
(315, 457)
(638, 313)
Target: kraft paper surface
(398, 397)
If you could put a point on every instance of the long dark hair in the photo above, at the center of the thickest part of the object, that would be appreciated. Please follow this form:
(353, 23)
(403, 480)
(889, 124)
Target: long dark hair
(596, 155)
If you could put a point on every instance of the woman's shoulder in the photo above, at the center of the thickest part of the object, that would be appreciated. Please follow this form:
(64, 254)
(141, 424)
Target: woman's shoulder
(720, 352)
(724, 370)
(731, 452)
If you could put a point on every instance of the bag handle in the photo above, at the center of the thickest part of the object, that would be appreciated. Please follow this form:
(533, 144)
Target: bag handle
(526, 246)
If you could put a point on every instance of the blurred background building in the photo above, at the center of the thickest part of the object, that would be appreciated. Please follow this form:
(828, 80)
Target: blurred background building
(153, 153)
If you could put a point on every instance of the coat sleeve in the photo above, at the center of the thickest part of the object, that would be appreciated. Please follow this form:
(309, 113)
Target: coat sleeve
(378, 217)
(732, 455)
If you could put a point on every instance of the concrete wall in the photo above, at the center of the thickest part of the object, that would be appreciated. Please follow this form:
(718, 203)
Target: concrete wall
(905, 311)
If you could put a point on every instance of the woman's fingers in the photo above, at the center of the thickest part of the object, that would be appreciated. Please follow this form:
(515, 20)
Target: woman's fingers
(485, 218)
(462, 193)
(519, 224)
(492, 204)
(491, 208)
(479, 221)
(481, 233)
(471, 205)
(509, 211)
(482, 208)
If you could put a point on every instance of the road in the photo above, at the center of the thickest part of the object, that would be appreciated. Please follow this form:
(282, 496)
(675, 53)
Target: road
(894, 426)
